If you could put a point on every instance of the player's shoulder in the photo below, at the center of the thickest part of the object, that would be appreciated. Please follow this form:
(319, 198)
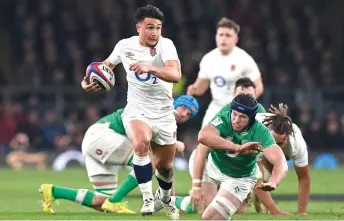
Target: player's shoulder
(261, 116)
(129, 41)
(260, 127)
(297, 133)
(296, 128)
(221, 117)
(241, 53)
(211, 54)
(165, 42)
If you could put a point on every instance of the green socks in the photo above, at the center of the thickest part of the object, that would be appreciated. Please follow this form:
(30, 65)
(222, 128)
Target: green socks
(183, 203)
(81, 196)
(128, 185)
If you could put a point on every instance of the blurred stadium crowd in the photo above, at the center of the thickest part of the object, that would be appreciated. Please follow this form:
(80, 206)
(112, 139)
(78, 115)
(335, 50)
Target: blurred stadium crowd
(46, 46)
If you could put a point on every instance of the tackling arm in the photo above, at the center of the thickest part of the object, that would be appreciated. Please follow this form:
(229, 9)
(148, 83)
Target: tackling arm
(276, 157)
(265, 197)
(210, 136)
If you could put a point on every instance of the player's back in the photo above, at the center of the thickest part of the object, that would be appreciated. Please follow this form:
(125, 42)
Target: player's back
(148, 93)
(224, 70)
(115, 121)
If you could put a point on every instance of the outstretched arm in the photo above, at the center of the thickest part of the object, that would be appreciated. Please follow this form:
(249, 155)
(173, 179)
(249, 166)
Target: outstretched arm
(276, 157)
(210, 136)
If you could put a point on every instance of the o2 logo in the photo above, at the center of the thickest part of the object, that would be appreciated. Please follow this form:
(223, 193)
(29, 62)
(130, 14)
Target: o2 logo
(221, 82)
(147, 78)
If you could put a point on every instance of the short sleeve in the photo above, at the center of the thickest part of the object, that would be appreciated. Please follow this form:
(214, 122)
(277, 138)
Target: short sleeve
(220, 123)
(115, 56)
(204, 68)
(251, 70)
(300, 156)
(169, 51)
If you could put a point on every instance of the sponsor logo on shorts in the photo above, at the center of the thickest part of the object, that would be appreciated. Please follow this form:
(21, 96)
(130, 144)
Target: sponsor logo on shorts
(233, 67)
(174, 134)
(99, 152)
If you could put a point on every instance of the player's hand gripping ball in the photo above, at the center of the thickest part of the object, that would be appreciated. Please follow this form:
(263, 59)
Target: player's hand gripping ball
(100, 74)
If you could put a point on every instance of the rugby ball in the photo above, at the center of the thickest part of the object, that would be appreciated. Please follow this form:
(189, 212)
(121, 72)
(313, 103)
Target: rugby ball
(101, 74)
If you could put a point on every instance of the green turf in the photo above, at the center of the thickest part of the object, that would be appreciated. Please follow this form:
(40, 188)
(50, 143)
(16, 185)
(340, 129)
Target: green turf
(20, 199)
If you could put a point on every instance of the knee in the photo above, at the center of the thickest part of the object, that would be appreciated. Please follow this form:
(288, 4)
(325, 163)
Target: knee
(206, 215)
(141, 146)
(162, 164)
(243, 208)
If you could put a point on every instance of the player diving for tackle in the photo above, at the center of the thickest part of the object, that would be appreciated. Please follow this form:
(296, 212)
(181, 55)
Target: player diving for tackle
(234, 137)
(105, 147)
(243, 85)
(289, 137)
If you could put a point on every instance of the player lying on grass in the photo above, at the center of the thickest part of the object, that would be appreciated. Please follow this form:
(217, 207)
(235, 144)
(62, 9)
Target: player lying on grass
(105, 147)
(289, 137)
(235, 137)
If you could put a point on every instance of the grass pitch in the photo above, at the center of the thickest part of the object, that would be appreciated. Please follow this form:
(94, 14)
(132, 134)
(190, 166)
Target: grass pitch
(20, 200)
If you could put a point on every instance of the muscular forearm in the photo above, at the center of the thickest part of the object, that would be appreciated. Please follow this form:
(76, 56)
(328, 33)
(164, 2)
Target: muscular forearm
(217, 142)
(304, 189)
(169, 74)
(199, 162)
(278, 172)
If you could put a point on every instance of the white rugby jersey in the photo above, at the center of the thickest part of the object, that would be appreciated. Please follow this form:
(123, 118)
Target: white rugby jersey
(224, 70)
(296, 150)
(148, 93)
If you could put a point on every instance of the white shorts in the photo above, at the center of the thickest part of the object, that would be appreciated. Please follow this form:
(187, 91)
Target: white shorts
(239, 187)
(104, 150)
(212, 110)
(164, 129)
(205, 178)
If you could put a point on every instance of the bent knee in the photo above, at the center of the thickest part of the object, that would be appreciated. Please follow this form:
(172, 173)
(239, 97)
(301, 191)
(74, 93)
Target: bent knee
(163, 164)
(141, 146)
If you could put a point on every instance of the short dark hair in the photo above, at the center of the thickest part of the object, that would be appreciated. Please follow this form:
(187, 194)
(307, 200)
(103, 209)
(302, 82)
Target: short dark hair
(228, 23)
(279, 122)
(244, 82)
(148, 11)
